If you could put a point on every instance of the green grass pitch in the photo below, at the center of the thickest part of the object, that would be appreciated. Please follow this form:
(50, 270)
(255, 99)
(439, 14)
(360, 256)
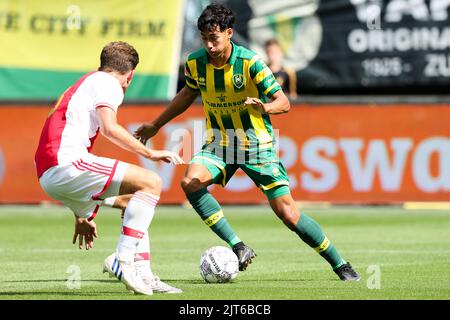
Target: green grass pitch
(400, 254)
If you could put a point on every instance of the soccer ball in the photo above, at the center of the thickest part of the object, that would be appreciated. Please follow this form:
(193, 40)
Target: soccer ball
(219, 265)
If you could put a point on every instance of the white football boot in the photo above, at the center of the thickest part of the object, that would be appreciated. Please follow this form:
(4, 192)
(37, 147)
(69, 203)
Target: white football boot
(127, 273)
(153, 281)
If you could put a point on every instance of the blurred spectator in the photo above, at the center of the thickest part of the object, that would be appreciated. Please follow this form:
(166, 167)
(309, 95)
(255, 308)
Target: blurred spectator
(285, 76)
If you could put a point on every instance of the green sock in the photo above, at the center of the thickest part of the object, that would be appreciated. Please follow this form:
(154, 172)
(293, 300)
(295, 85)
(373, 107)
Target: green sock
(211, 213)
(311, 233)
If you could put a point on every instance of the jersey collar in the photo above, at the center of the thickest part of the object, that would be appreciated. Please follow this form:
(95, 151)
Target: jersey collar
(233, 56)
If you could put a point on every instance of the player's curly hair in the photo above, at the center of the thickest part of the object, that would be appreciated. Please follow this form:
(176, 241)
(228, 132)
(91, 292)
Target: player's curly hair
(118, 56)
(213, 16)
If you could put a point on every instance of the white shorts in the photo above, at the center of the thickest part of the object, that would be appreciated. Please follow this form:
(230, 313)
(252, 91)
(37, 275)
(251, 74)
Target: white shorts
(83, 184)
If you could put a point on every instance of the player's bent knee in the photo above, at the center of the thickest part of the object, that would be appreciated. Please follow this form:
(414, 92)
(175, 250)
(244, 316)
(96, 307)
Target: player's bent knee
(190, 185)
(289, 218)
(156, 183)
(140, 179)
(152, 183)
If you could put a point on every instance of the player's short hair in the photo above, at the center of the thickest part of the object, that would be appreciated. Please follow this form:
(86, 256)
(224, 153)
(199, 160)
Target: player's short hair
(118, 56)
(213, 16)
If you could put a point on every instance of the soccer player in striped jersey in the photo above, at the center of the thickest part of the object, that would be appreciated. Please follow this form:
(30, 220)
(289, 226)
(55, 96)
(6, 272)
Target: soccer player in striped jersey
(82, 181)
(239, 93)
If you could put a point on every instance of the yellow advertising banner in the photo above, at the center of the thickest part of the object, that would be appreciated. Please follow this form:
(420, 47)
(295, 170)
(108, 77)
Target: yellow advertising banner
(58, 41)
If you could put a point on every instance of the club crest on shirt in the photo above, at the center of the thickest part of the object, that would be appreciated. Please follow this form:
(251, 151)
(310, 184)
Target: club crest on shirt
(238, 80)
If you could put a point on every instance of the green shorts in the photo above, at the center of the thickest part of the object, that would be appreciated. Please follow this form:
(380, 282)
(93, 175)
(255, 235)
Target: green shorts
(265, 169)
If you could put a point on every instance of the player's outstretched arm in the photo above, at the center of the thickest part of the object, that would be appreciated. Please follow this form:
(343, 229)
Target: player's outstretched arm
(280, 104)
(177, 106)
(121, 137)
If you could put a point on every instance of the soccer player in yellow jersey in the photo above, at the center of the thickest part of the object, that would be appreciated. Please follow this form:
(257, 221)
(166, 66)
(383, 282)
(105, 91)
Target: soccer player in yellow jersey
(236, 87)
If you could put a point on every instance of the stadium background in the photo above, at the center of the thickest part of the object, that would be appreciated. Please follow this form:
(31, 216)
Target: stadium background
(370, 126)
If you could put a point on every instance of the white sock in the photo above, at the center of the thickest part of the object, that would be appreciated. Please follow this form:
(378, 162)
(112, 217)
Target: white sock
(138, 216)
(142, 257)
(143, 249)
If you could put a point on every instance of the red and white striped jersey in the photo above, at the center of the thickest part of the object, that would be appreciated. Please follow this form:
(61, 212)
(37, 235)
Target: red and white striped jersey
(73, 125)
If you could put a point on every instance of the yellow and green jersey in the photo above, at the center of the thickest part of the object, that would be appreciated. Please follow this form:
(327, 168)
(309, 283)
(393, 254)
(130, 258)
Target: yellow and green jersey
(224, 91)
